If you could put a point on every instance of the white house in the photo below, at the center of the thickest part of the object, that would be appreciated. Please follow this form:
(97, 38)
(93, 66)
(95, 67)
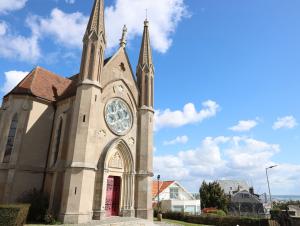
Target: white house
(174, 197)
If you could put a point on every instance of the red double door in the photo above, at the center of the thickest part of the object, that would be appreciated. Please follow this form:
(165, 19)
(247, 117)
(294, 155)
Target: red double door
(112, 203)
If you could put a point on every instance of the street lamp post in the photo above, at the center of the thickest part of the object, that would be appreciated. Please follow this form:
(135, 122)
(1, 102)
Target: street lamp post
(270, 167)
(159, 215)
(158, 177)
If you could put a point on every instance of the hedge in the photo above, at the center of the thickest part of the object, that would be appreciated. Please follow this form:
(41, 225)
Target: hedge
(217, 221)
(13, 215)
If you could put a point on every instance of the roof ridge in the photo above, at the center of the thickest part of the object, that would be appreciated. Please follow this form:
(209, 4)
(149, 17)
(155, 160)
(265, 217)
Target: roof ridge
(35, 70)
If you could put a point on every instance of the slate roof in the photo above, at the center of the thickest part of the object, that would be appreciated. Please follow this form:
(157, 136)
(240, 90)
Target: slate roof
(230, 186)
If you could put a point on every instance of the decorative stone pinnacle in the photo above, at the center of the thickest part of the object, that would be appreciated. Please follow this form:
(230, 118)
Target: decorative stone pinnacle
(123, 39)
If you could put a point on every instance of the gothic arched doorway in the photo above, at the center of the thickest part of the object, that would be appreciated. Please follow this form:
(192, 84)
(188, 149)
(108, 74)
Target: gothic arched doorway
(114, 188)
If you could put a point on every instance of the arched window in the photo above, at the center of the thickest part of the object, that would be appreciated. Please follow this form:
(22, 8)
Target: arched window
(92, 62)
(11, 139)
(82, 72)
(152, 92)
(57, 142)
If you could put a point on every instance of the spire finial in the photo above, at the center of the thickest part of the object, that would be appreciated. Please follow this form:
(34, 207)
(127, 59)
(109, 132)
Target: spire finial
(123, 39)
(146, 22)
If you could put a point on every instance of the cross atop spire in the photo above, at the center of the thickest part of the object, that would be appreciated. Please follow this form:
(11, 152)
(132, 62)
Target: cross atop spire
(145, 58)
(96, 22)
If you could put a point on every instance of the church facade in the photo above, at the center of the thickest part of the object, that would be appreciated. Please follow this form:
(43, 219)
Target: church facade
(86, 141)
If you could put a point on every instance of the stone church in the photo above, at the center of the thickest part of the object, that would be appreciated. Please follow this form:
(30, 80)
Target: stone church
(85, 141)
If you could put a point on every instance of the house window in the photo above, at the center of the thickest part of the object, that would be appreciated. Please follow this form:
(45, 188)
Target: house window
(173, 193)
(57, 142)
(177, 208)
(190, 209)
(10, 139)
(246, 196)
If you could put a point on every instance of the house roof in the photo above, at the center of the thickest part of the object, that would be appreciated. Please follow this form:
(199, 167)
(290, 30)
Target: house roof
(230, 186)
(162, 186)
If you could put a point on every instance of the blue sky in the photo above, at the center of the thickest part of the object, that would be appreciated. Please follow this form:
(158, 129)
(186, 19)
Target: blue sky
(226, 82)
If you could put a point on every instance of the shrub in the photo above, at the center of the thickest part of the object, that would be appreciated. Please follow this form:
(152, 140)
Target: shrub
(219, 213)
(13, 215)
(213, 219)
(38, 205)
(282, 217)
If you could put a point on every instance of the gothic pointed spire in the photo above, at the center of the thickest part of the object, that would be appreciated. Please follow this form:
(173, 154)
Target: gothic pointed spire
(96, 21)
(145, 58)
(145, 70)
(94, 44)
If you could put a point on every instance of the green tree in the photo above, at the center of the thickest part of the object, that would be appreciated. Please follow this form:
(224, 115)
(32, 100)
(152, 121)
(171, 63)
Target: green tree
(212, 195)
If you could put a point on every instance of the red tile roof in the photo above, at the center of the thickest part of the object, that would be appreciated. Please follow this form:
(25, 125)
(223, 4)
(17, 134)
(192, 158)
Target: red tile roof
(47, 85)
(43, 84)
(162, 186)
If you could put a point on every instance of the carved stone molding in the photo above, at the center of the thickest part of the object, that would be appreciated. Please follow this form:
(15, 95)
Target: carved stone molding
(116, 161)
(131, 141)
(101, 133)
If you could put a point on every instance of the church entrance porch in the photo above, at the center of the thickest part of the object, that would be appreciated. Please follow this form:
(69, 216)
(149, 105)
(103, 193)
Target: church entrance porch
(114, 184)
(112, 202)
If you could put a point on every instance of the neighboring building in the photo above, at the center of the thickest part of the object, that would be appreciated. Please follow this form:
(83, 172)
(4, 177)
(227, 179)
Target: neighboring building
(231, 186)
(294, 210)
(86, 140)
(174, 197)
(244, 203)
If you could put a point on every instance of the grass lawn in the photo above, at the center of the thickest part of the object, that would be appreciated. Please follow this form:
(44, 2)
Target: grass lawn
(181, 223)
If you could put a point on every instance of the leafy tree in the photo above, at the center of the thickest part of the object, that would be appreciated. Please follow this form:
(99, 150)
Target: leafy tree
(212, 195)
(284, 205)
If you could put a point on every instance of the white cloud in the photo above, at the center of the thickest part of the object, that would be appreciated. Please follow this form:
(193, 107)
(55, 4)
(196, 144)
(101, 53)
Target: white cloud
(17, 46)
(12, 78)
(188, 115)
(66, 29)
(288, 122)
(244, 125)
(178, 140)
(230, 158)
(164, 16)
(11, 5)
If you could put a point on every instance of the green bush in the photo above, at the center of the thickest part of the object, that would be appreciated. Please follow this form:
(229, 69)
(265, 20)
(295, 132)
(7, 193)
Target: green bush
(216, 220)
(219, 213)
(280, 216)
(38, 205)
(13, 215)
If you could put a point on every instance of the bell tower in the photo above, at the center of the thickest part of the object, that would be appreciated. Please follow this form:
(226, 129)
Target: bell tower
(145, 79)
(79, 177)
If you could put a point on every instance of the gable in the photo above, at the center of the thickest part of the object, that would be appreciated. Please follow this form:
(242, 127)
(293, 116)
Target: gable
(119, 69)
